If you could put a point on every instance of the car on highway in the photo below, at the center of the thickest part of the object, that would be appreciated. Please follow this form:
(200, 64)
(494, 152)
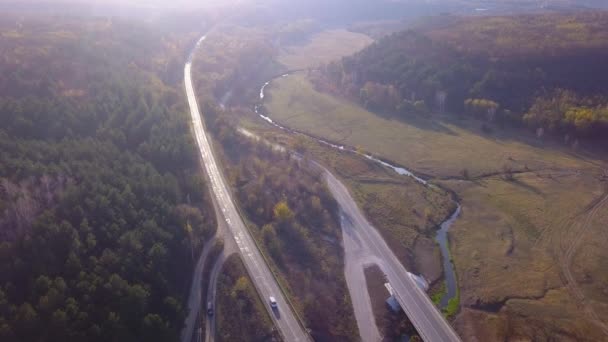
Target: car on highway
(273, 303)
(210, 309)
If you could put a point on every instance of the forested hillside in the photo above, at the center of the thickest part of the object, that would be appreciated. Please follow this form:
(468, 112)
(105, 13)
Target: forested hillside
(545, 71)
(102, 205)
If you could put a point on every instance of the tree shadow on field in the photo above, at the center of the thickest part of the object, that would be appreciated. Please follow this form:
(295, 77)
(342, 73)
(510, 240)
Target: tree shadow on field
(526, 186)
(502, 132)
(420, 122)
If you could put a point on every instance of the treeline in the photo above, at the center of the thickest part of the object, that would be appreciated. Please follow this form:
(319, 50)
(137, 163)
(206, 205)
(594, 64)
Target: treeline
(503, 69)
(102, 205)
(295, 221)
(564, 109)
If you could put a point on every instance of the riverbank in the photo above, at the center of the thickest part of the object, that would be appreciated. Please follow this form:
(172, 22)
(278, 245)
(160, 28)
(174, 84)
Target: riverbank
(514, 225)
(441, 237)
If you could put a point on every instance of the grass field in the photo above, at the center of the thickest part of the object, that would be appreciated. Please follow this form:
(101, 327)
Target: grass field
(405, 212)
(439, 147)
(526, 249)
(323, 48)
(508, 247)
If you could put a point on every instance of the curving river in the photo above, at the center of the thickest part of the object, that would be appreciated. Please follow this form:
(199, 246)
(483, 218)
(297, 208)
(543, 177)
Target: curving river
(442, 234)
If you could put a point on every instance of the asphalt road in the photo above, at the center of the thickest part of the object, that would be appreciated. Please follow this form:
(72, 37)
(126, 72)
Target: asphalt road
(258, 271)
(364, 245)
(357, 257)
(194, 299)
(195, 302)
(211, 295)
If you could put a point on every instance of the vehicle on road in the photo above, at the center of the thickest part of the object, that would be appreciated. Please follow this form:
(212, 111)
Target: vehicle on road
(210, 309)
(273, 303)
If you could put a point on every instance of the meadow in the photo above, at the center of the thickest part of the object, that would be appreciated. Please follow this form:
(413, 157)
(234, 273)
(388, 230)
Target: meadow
(321, 48)
(525, 200)
(529, 204)
(456, 144)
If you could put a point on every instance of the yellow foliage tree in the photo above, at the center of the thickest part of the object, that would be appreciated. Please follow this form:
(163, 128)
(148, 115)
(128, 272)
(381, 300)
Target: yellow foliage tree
(282, 212)
(239, 287)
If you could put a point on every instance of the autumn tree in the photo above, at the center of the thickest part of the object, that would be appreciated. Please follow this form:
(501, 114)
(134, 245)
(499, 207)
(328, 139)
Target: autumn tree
(482, 108)
(282, 212)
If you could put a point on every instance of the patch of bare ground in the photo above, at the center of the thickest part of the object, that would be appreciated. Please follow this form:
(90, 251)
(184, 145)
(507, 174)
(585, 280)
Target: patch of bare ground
(428, 259)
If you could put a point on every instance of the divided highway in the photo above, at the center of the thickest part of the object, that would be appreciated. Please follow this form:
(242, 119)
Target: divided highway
(363, 246)
(362, 240)
(259, 272)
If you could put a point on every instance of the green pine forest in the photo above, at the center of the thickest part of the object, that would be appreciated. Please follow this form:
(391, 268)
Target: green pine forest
(102, 206)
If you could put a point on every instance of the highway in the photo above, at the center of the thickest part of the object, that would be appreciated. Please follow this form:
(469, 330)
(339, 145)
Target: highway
(259, 272)
(357, 257)
(364, 245)
(195, 298)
